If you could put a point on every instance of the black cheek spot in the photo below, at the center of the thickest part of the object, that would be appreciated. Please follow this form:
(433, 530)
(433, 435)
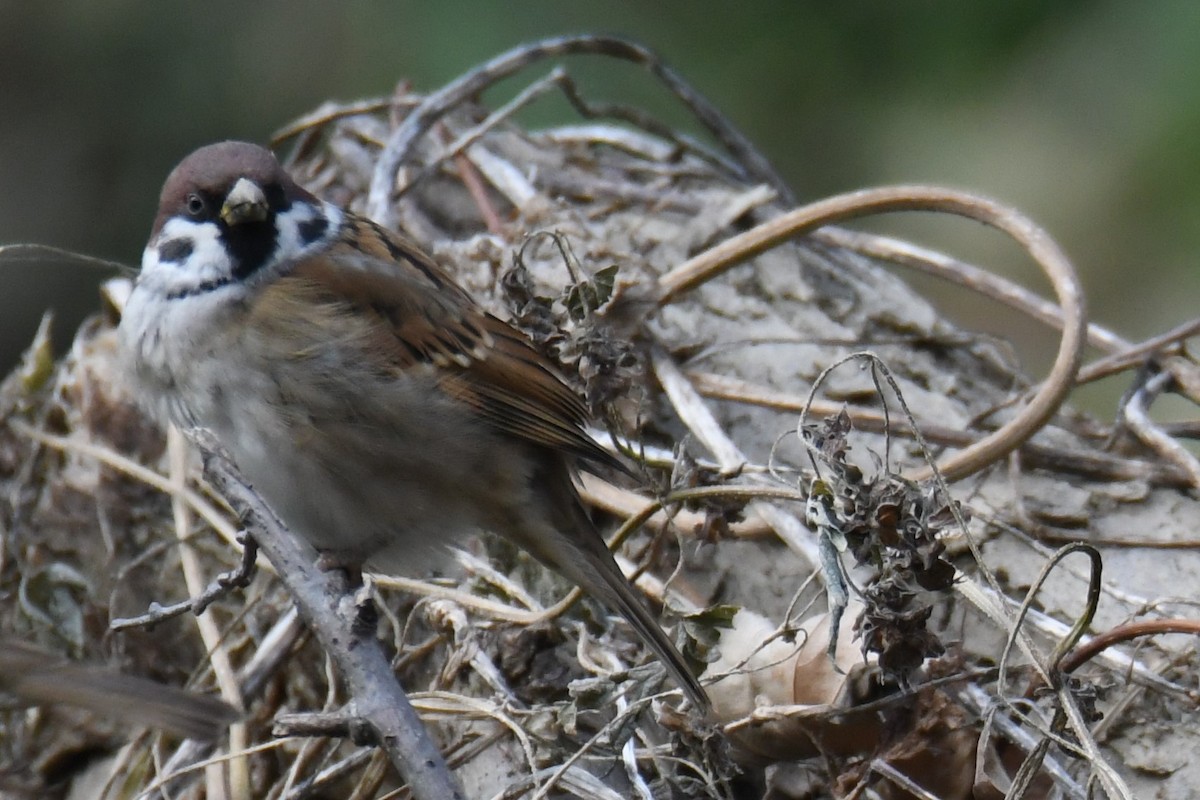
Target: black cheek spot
(312, 230)
(175, 251)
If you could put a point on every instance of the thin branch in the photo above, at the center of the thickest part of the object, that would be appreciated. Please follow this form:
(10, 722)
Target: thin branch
(1137, 354)
(329, 610)
(223, 584)
(1137, 418)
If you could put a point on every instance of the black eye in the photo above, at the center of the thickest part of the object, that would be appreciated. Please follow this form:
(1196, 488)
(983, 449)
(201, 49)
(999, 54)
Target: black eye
(195, 204)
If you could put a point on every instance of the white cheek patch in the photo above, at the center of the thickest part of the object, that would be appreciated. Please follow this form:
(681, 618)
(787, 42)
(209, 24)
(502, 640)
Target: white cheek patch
(189, 257)
(304, 229)
(185, 257)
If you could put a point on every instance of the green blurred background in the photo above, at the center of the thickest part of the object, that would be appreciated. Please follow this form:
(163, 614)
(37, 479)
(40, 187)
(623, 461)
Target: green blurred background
(1084, 114)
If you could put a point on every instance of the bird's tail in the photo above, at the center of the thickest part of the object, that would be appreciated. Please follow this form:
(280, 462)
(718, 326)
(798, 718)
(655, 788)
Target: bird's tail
(37, 676)
(584, 558)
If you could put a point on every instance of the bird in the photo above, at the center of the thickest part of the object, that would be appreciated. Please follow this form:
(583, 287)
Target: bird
(38, 677)
(376, 407)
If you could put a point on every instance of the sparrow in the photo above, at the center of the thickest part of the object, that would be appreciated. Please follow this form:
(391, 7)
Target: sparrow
(373, 404)
(38, 677)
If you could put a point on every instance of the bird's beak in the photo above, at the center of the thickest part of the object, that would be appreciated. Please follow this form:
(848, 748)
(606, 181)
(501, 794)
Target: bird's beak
(244, 203)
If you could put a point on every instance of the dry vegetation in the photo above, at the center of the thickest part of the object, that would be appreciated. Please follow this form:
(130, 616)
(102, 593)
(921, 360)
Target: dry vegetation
(779, 467)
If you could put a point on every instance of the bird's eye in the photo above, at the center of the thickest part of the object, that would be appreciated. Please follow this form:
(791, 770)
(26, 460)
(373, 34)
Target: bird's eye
(195, 204)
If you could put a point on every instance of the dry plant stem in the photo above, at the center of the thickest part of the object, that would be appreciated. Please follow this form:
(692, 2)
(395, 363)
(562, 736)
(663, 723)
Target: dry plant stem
(629, 713)
(311, 785)
(1115, 660)
(1087, 463)
(886, 770)
(975, 698)
(480, 605)
(1067, 712)
(40, 253)
(268, 658)
(399, 145)
(1137, 418)
(1124, 633)
(1136, 354)
(328, 609)
(1187, 429)
(576, 782)
(694, 413)
(624, 503)
(158, 786)
(464, 140)
(940, 265)
(111, 458)
(1052, 392)
(460, 707)
(325, 115)
(474, 184)
(507, 587)
(236, 772)
(220, 586)
(321, 723)
(1043, 668)
(1122, 353)
(635, 143)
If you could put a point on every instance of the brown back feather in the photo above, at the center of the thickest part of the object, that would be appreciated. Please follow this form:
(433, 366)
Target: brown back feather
(425, 317)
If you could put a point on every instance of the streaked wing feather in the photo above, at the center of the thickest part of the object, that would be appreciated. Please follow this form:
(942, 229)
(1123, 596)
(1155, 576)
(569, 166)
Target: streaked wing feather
(426, 317)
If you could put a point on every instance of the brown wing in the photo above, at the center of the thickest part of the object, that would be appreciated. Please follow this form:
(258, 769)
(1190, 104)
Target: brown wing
(428, 318)
(517, 391)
